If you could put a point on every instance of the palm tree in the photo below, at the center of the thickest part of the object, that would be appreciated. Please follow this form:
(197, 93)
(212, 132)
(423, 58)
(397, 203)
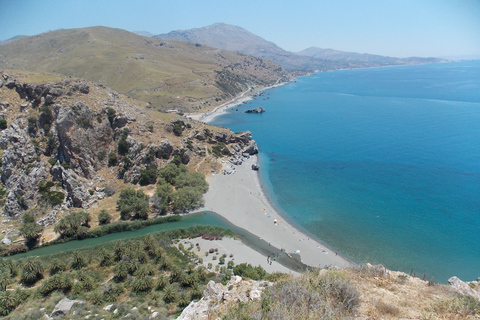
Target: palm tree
(5, 280)
(142, 284)
(31, 271)
(106, 258)
(184, 299)
(57, 266)
(162, 282)
(169, 294)
(8, 302)
(196, 291)
(78, 261)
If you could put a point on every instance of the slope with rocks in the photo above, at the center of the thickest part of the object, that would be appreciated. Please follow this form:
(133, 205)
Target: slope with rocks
(64, 142)
(166, 74)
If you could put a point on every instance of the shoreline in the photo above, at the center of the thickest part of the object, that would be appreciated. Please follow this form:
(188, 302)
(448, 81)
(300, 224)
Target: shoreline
(231, 197)
(240, 199)
(241, 98)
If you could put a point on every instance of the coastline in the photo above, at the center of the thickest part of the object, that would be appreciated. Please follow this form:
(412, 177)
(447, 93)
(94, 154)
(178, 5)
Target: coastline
(239, 198)
(241, 98)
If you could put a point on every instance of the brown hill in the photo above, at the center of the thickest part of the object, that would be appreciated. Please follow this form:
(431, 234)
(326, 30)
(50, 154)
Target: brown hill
(168, 75)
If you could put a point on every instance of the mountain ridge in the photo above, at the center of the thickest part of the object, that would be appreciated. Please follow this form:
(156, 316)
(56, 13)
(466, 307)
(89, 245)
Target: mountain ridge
(230, 37)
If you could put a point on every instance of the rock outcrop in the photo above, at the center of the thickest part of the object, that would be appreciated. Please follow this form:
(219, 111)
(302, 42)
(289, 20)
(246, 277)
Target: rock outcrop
(463, 288)
(63, 307)
(217, 295)
(256, 110)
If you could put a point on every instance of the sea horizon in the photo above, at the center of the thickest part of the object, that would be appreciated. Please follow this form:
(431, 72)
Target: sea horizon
(371, 161)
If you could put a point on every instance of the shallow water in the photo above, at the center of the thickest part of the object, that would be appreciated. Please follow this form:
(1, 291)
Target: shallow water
(381, 164)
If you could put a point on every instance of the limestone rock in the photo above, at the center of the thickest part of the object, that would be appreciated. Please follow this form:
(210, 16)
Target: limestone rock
(252, 148)
(463, 288)
(20, 171)
(217, 295)
(77, 193)
(63, 307)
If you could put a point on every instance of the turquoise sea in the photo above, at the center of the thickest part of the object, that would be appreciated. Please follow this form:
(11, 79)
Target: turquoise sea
(382, 164)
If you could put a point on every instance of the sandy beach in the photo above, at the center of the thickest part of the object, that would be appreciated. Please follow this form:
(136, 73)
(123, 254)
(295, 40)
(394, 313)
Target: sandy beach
(239, 198)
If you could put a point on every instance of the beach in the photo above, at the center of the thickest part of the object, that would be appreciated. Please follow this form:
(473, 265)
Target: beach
(239, 198)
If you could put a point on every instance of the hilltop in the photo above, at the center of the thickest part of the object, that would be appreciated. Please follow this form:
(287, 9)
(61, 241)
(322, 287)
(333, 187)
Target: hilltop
(166, 74)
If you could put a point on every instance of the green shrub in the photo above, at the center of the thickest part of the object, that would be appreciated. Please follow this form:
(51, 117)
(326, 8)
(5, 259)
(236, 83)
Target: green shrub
(32, 125)
(148, 176)
(104, 217)
(3, 124)
(112, 159)
(248, 271)
(132, 204)
(111, 115)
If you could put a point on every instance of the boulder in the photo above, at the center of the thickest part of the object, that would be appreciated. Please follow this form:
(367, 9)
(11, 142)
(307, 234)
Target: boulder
(63, 307)
(463, 288)
(252, 148)
(255, 166)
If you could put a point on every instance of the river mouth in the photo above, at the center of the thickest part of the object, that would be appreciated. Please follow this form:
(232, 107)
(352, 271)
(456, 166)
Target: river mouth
(202, 218)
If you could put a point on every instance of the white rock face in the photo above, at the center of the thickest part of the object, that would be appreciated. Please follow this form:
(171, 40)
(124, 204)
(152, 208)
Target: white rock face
(236, 290)
(463, 288)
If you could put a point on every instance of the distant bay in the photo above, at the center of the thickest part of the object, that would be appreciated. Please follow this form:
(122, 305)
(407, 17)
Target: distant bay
(381, 164)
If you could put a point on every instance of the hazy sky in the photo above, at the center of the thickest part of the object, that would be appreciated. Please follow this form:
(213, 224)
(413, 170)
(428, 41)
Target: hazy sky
(388, 27)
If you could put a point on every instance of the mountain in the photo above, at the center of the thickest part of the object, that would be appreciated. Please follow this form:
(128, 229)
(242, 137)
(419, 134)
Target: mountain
(167, 74)
(2, 42)
(144, 33)
(233, 38)
(229, 37)
(354, 58)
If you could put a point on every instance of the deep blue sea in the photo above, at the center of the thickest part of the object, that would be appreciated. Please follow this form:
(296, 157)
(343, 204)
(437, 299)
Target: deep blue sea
(382, 164)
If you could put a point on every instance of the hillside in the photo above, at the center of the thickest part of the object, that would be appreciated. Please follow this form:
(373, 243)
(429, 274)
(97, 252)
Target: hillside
(167, 75)
(68, 144)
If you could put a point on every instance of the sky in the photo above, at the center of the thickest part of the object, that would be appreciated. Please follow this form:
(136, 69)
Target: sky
(400, 28)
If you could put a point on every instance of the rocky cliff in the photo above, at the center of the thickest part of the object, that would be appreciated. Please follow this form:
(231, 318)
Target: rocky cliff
(64, 141)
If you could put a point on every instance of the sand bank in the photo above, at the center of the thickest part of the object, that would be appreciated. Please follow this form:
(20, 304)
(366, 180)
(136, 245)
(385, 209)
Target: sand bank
(235, 250)
(239, 199)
